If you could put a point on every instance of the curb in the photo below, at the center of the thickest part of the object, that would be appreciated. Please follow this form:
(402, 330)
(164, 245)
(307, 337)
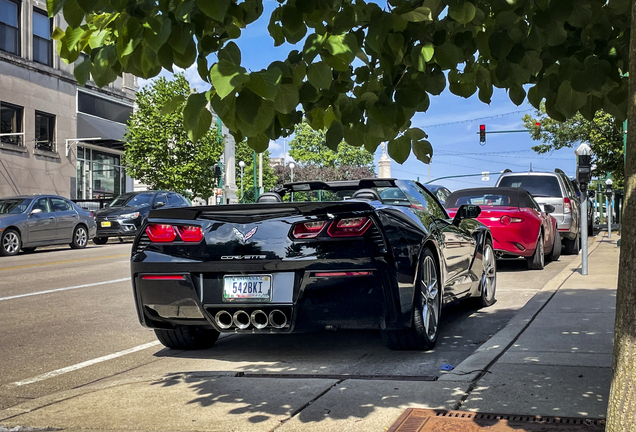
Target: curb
(478, 363)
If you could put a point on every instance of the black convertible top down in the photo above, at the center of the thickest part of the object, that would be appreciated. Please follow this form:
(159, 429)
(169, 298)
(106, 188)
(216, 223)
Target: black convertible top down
(361, 254)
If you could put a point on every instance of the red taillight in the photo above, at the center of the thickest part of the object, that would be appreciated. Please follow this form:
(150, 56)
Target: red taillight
(159, 233)
(349, 227)
(308, 229)
(190, 233)
(162, 277)
(507, 220)
(567, 207)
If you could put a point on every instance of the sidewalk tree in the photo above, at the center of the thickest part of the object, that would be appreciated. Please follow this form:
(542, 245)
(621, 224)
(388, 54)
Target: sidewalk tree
(158, 151)
(362, 71)
(310, 147)
(602, 133)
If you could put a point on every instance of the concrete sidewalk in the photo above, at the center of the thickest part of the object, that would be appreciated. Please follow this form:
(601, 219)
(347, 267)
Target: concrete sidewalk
(554, 358)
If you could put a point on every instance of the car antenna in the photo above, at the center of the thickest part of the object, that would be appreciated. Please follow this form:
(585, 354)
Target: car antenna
(530, 166)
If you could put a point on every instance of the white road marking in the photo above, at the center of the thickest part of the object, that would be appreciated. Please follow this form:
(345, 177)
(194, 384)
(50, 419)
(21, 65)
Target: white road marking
(83, 364)
(65, 289)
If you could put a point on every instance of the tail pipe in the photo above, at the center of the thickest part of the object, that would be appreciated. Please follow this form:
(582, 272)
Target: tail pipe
(259, 320)
(223, 319)
(241, 319)
(277, 319)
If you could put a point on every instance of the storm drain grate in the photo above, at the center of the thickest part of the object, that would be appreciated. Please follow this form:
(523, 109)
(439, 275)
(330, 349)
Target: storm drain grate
(426, 420)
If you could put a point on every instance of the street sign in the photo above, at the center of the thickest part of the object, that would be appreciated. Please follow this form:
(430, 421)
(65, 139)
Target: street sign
(485, 176)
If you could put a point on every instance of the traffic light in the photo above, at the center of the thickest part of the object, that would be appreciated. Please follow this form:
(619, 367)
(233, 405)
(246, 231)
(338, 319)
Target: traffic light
(482, 134)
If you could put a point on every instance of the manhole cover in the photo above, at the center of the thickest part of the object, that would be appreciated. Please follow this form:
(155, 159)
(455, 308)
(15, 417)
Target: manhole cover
(425, 420)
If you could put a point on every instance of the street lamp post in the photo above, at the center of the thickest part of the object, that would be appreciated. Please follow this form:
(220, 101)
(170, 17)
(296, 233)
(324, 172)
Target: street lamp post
(242, 165)
(291, 169)
(608, 193)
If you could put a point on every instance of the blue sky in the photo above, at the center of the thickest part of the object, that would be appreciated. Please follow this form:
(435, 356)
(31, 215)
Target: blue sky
(451, 123)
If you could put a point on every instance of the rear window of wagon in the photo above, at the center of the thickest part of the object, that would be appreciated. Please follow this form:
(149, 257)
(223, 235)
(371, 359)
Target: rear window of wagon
(538, 186)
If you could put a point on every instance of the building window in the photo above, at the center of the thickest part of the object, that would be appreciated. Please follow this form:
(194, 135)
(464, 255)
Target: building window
(44, 131)
(103, 108)
(9, 27)
(10, 124)
(42, 45)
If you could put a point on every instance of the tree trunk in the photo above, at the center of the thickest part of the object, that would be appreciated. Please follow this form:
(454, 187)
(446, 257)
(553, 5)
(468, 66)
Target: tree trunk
(621, 412)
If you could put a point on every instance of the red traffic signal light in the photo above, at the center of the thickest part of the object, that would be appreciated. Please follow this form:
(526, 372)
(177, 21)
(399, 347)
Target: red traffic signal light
(482, 133)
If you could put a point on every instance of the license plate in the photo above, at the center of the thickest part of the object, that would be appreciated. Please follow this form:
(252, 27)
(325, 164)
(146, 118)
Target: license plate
(253, 287)
(105, 224)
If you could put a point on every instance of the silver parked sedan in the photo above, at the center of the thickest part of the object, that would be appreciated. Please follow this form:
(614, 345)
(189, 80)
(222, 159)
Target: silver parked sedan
(27, 222)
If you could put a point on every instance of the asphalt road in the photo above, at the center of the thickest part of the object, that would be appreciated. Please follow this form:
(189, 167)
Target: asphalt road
(68, 319)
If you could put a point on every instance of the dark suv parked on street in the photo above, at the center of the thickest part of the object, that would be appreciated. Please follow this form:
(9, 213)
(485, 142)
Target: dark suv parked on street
(555, 189)
(127, 212)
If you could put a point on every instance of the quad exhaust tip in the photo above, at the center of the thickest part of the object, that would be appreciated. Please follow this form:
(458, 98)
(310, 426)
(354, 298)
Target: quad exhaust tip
(241, 319)
(259, 320)
(223, 319)
(277, 319)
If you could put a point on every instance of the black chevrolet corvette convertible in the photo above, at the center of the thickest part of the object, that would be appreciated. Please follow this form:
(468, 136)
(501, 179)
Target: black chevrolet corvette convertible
(362, 254)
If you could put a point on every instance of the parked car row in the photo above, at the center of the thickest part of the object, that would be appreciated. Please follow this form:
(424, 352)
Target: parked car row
(31, 221)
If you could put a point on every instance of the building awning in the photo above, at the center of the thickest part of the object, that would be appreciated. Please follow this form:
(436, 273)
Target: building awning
(111, 133)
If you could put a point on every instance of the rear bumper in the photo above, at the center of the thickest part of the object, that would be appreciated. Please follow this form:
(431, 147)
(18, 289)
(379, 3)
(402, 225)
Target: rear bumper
(363, 299)
(511, 242)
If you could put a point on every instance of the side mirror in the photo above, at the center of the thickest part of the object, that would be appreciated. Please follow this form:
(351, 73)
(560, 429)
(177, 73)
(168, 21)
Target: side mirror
(159, 204)
(466, 211)
(35, 211)
(548, 208)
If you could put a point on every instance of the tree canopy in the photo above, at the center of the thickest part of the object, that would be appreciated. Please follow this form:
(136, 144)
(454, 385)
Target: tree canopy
(602, 133)
(158, 151)
(363, 70)
(308, 147)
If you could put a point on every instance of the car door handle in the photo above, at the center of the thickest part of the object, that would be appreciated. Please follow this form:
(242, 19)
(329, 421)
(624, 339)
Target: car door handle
(52, 217)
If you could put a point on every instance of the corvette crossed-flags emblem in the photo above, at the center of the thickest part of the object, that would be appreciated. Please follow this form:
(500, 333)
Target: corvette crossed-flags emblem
(243, 238)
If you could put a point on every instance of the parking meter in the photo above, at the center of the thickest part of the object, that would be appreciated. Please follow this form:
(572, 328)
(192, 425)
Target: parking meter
(584, 177)
(584, 171)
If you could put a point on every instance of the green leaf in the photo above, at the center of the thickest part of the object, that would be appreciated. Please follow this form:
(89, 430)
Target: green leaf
(172, 105)
(231, 54)
(500, 45)
(419, 14)
(54, 6)
(294, 27)
(58, 33)
(258, 143)
(82, 71)
(254, 115)
(215, 9)
(464, 13)
(287, 98)
(73, 13)
(196, 117)
(73, 36)
(342, 47)
(399, 149)
(312, 47)
(448, 55)
(569, 101)
(423, 150)
(517, 95)
(334, 135)
(225, 83)
(265, 83)
(422, 54)
(319, 75)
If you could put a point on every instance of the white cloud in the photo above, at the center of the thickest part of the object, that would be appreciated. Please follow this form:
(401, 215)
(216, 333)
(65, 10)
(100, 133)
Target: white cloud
(191, 74)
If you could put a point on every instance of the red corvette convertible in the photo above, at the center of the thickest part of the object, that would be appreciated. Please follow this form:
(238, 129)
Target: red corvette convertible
(519, 226)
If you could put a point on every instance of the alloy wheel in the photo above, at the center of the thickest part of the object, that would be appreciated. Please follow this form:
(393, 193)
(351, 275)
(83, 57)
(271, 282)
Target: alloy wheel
(11, 243)
(490, 274)
(81, 238)
(430, 297)
(541, 251)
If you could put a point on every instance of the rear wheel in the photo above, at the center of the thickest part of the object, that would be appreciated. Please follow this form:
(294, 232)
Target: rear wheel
(10, 242)
(427, 310)
(556, 247)
(187, 337)
(573, 246)
(537, 260)
(488, 285)
(100, 240)
(80, 237)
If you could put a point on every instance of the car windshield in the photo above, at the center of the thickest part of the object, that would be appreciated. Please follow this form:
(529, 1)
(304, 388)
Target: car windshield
(537, 185)
(144, 199)
(482, 199)
(14, 205)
